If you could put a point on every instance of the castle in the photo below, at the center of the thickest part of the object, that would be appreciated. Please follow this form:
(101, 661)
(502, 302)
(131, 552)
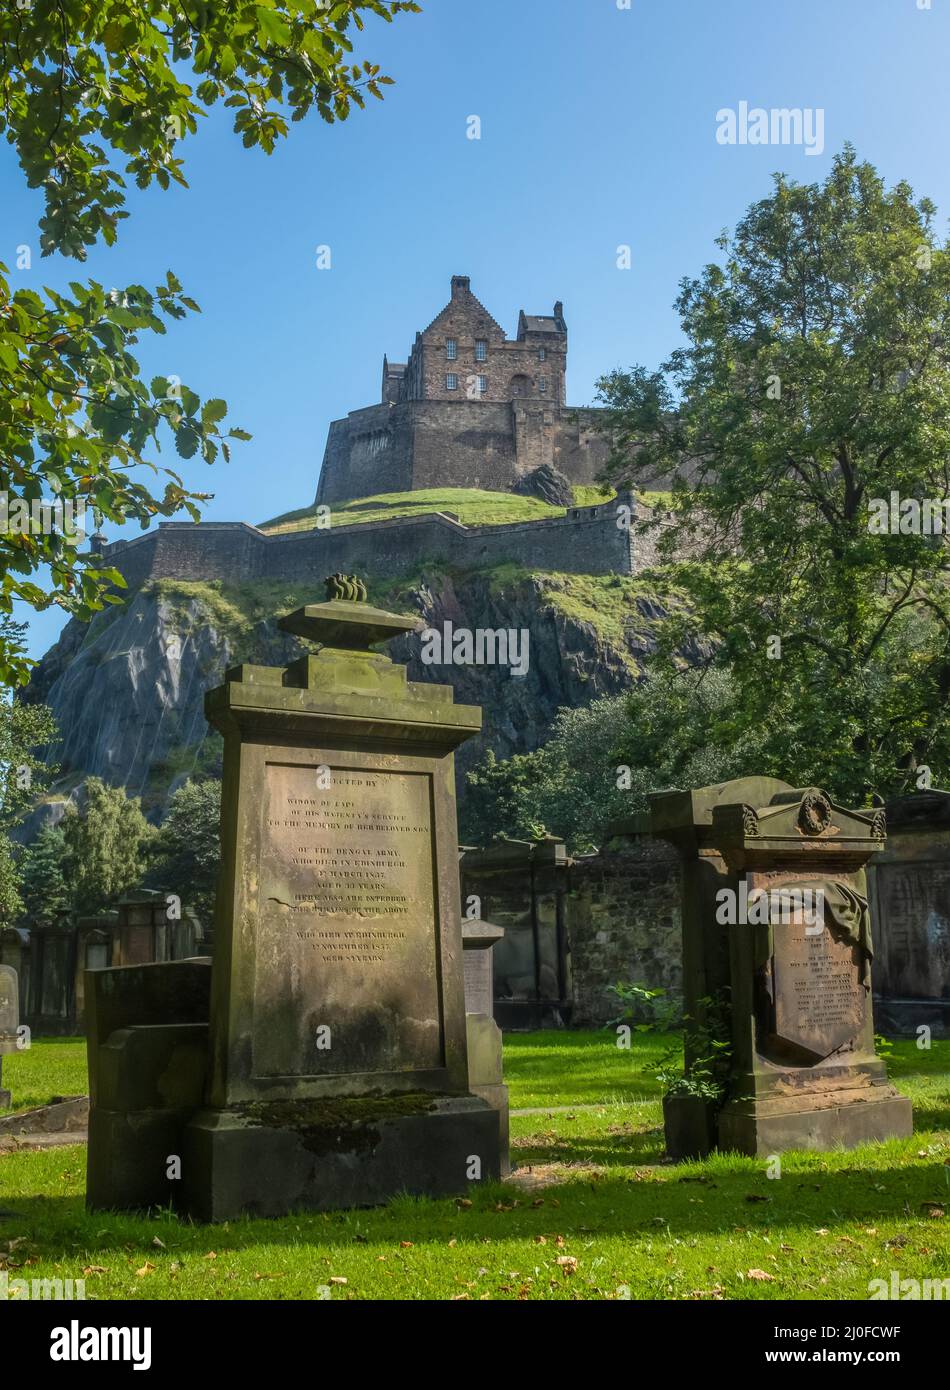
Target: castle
(471, 408)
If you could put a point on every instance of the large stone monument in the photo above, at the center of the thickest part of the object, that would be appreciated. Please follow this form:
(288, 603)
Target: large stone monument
(777, 938)
(9, 1022)
(339, 1070)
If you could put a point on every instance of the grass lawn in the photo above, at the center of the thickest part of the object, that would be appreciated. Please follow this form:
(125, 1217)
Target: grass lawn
(472, 506)
(595, 1213)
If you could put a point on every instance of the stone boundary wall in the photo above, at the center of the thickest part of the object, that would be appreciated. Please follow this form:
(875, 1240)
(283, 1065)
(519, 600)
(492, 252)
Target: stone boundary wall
(586, 541)
(624, 926)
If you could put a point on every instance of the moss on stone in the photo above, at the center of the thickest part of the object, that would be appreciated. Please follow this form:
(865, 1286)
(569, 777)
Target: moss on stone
(338, 1124)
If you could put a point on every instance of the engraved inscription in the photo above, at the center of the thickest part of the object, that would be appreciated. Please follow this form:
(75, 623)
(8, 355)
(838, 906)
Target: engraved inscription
(347, 944)
(820, 1001)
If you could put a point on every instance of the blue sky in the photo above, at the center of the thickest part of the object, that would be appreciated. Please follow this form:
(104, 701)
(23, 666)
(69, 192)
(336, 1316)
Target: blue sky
(598, 129)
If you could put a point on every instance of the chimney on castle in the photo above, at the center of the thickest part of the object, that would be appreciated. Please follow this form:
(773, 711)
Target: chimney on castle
(559, 315)
(460, 283)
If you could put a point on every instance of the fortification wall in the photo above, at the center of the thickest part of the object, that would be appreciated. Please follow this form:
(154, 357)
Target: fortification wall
(456, 443)
(586, 541)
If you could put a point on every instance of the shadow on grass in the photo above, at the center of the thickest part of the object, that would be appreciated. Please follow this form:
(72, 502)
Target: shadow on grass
(723, 1196)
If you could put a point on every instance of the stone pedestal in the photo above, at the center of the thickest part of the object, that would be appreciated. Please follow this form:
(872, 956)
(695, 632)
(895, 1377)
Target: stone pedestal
(777, 942)
(485, 1052)
(147, 1045)
(9, 1022)
(339, 1068)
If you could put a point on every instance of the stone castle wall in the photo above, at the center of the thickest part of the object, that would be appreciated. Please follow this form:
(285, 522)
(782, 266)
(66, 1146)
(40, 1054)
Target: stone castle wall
(459, 443)
(586, 541)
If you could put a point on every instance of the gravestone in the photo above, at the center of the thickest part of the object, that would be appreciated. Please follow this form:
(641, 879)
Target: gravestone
(777, 938)
(485, 1053)
(9, 1022)
(910, 898)
(339, 1068)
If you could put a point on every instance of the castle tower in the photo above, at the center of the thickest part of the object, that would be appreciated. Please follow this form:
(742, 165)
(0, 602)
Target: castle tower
(469, 408)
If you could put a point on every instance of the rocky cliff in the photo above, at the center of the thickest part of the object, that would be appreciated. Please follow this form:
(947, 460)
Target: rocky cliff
(127, 690)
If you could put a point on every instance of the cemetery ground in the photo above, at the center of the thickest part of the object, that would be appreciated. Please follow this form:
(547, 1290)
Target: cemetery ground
(593, 1212)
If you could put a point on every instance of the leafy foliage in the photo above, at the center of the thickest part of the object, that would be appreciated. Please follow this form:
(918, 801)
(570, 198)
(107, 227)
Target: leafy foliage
(90, 93)
(601, 763)
(43, 885)
(814, 380)
(187, 851)
(107, 844)
(76, 421)
(94, 90)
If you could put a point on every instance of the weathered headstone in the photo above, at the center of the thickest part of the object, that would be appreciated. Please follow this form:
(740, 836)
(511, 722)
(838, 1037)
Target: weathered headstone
(339, 1072)
(485, 1068)
(9, 1021)
(910, 899)
(777, 937)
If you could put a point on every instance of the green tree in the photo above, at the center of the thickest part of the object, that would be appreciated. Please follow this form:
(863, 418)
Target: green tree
(26, 731)
(601, 763)
(187, 850)
(814, 380)
(92, 92)
(42, 870)
(107, 844)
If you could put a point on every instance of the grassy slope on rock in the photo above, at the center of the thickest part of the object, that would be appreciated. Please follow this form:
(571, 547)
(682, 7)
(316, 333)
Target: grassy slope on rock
(472, 506)
(594, 1214)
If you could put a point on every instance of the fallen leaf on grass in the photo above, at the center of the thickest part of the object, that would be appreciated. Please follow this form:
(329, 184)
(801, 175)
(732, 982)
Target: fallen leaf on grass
(146, 1269)
(338, 1279)
(568, 1263)
(94, 1269)
(760, 1274)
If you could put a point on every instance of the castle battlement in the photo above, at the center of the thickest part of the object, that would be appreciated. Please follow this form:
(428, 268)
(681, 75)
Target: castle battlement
(587, 540)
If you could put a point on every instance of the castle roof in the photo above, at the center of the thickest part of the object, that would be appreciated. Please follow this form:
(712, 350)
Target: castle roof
(540, 323)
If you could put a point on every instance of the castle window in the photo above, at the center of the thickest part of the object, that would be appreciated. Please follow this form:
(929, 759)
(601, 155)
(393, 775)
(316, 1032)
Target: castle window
(483, 384)
(542, 383)
(451, 349)
(542, 354)
(451, 382)
(481, 350)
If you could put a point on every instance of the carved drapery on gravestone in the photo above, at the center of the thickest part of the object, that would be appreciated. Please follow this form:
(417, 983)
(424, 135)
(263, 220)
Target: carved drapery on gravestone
(776, 922)
(339, 1068)
(9, 1021)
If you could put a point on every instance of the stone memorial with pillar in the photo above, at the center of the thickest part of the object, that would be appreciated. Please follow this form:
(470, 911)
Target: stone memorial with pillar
(338, 1060)
(777, 938)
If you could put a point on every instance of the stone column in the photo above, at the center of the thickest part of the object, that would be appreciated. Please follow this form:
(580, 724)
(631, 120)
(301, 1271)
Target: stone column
(485, 1053)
